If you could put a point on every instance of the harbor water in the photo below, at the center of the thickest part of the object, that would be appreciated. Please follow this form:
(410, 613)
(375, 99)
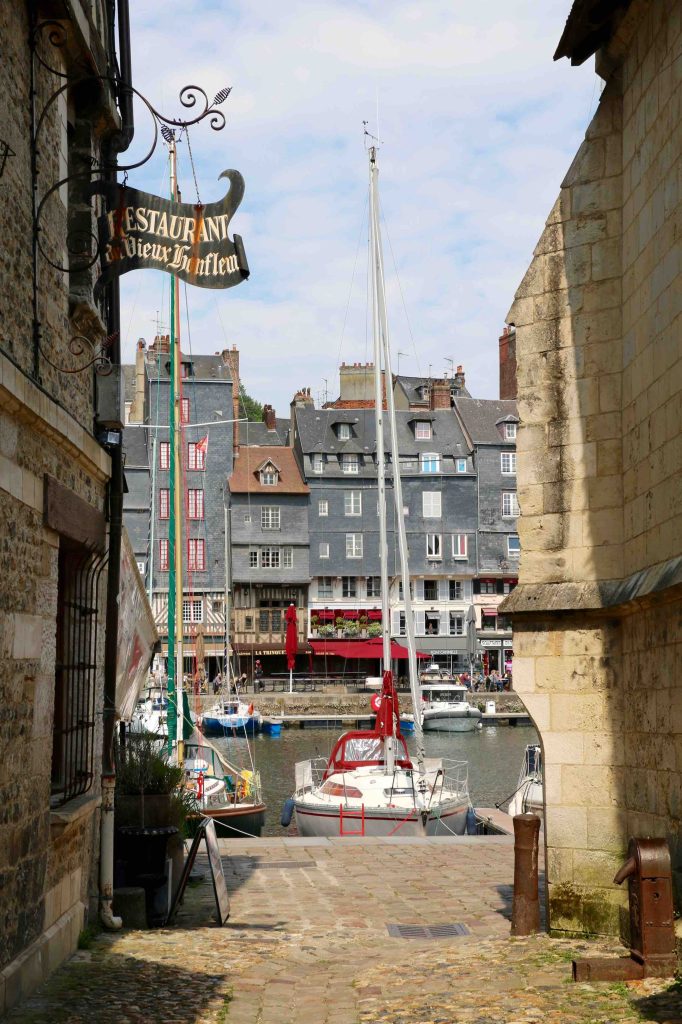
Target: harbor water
(494, 755)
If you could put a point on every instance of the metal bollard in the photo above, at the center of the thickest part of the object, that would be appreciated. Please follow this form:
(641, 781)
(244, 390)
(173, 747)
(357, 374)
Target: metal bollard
(526, 902)
(652, 929)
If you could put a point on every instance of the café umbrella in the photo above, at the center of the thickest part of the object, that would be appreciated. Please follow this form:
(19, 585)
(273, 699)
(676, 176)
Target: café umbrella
(291, 644)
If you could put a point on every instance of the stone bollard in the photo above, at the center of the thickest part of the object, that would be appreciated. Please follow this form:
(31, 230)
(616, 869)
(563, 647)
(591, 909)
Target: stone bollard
(526, 903)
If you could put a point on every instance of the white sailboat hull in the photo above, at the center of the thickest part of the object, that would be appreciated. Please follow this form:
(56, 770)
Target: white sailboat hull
(457, 719)
(324, 821)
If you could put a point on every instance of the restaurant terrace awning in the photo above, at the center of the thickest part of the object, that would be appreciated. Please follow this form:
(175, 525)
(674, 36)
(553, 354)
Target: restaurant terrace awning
(374, 614)
(489, 611)
(323, 614)
(360, 648)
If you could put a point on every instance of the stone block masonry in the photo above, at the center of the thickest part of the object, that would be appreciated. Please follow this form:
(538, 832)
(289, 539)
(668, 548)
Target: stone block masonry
(597, 614)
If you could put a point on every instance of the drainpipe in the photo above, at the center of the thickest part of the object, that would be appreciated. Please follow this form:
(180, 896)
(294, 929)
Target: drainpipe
(115, 145)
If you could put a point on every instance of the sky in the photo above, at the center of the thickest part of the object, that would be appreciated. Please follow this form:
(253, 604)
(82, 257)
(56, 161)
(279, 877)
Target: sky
(477, 126)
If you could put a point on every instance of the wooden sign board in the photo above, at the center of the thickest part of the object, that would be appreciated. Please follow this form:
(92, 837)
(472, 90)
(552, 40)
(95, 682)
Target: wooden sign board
(206, 830)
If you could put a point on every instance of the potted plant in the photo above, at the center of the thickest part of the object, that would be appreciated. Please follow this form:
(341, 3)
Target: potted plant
(351, 628)
(326, 630)
(340, 624)
(363, 624)
(374, 629)
(314, 622)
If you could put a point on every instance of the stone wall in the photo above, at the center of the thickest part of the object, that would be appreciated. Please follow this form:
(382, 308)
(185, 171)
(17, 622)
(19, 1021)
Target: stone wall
(48, 855)
(597, 612)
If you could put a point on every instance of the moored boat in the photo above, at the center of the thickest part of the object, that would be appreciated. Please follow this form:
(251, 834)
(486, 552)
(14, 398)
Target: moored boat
(231, 717)
(528, 797)
(445, 708)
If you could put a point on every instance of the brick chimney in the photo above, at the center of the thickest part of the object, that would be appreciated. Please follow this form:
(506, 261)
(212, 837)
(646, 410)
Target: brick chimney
(137, 404)
(458, 379)
(508, 362)
(269, 418)
(230, 357)
(439, 393)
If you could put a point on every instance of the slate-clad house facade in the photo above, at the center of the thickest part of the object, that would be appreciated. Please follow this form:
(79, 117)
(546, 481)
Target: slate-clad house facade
(490, 429)
(268, 510)
(207, 399)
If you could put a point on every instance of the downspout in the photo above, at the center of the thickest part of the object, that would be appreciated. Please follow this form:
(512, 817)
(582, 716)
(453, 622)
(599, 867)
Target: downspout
(118, 143)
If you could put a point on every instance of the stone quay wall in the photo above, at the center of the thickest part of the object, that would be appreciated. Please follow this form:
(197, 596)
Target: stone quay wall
(48, 854)
(598, 612)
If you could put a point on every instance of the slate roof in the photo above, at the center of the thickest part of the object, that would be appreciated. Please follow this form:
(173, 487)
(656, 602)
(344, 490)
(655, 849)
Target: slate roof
(481, 416)
(410, 387)
(245, 478)
(256, 433)
(135, 447)
(205, 367)
(316, 432)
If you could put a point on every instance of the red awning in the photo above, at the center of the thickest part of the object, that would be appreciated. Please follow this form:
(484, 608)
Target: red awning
(349, 614)
(359, 648)
(374, 613)
(490, 611)
(323, 614)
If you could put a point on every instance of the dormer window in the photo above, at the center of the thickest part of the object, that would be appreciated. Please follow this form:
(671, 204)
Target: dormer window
(422, 430)
(344, 431)
(269, 475)
(510, 431)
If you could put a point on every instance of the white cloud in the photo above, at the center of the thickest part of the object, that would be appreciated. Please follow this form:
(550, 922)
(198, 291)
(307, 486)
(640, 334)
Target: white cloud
(479, 126)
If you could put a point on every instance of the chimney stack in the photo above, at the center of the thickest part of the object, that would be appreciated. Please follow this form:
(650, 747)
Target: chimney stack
(439, 394)
(508, 362)
(269, 417)
(230, 357)
(137, 404)
(459, 379)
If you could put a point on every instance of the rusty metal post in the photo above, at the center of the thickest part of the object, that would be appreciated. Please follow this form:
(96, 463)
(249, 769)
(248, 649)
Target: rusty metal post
(526, 903)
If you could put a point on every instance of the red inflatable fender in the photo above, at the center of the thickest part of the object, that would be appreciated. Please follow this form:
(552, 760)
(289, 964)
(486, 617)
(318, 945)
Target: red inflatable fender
(375, 703)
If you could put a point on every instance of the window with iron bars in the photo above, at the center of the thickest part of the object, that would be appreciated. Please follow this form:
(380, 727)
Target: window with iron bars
(76, 663)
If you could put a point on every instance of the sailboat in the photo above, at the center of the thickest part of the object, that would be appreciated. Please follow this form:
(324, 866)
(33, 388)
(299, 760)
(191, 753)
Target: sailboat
(370, 785)
(223, 792)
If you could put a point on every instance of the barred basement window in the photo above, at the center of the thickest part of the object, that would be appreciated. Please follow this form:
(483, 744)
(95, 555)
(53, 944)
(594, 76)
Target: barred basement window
(73, 730)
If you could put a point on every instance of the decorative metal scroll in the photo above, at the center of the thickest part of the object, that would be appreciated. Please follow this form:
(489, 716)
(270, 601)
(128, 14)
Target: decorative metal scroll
(83, 247)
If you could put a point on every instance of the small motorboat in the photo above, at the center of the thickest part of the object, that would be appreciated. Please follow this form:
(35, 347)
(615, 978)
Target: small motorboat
(151, 712)
(232, 717)
(528, 798)
(445, 708)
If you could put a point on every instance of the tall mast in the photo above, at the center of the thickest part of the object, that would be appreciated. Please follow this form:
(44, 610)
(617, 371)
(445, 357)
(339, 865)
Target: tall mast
(176, 482)
(382, 348)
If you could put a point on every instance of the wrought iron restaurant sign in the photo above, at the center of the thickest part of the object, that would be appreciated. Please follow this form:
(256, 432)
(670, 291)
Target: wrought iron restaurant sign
(139, 230)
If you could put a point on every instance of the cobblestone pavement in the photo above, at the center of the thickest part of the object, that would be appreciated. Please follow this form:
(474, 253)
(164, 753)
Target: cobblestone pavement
(307, 942)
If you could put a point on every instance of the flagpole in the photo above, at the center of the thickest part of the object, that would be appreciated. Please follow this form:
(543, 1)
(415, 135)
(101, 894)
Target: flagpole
(176, 406)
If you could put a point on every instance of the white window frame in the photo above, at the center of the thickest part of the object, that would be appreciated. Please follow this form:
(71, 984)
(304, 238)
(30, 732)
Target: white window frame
(344, 431)
(325, 589)
(317, 462)
(432, 505)
(460, 545)
(195, 503)
(269, 477)
(516, 551)
(350, 463)
(425, 462)
(192, 610)
(460, 465)
(510, 459)
(354, 545)
(352, 503)
(287, 557)
(458, 620)
(373, 586)
(253, 558)
(270, 517)
(510, 431)
(323, 507)
(324, 549)
(349, 587)
(270, 558)
(434, 547)
(457, 585)
(422, 430)
(511, 501)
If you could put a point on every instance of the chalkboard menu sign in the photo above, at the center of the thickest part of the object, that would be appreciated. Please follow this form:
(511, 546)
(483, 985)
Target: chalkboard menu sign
(206, 830)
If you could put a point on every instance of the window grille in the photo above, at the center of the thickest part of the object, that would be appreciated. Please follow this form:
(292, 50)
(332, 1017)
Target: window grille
(430, 462)
(164, 455)
(184, 410)
(354, 545)
(195, 504)
(324, 586)
(508, 463)
(163, 554)
(323, 507)
(422, 430)
(352, 503)
(373, 586)
(73, 732)
(431, 504)
(510, 431)
(164, 503)
(196, 554)
(269, 517)
(510, 505)
(350, 463)
(196, 457)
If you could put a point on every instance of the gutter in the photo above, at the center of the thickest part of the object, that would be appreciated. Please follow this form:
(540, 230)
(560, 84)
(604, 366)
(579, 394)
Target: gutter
(116, 144)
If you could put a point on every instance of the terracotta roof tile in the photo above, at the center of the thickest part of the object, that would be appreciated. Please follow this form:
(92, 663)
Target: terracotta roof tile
(245, 477)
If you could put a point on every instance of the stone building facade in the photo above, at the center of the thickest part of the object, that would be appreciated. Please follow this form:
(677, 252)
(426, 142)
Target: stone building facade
(597, 612)
(53, 501)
